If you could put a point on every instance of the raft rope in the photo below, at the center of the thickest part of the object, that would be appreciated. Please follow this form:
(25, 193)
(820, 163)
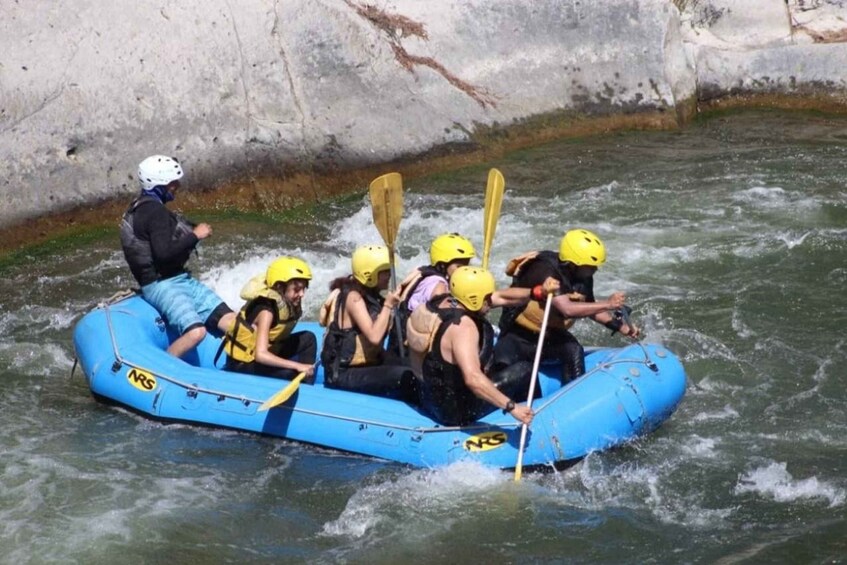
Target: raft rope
(647, 361)
(219, 394)
(545, 401)
(119, 360)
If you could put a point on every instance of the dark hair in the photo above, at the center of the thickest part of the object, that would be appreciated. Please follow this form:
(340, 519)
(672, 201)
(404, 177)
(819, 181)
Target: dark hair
(341, 281)
(352, 284)
(441, 267)
(282, 286)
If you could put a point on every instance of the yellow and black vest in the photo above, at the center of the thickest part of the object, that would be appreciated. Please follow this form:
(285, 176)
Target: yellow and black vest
(240, 340)
(346, 347)
(530, 316)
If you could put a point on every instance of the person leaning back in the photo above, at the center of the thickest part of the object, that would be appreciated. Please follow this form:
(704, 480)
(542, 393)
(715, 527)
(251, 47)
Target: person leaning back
(157, 244)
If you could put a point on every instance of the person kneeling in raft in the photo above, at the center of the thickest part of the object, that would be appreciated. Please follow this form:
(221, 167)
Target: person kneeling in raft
(261, 341)
(451, 343)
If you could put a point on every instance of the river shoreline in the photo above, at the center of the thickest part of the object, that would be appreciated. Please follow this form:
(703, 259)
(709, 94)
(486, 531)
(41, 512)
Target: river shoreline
(272, 197)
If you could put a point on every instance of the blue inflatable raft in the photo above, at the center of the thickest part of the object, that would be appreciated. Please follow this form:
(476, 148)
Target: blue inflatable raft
(625, 393)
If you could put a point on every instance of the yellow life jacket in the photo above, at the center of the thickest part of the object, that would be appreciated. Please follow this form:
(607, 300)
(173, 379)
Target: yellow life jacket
(363, 353)
(532, 315)
(240, 339)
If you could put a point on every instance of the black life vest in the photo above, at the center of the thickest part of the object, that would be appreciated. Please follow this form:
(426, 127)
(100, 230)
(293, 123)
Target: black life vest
(444, 393)
(138, 252)
(344, 348)
(529, 316)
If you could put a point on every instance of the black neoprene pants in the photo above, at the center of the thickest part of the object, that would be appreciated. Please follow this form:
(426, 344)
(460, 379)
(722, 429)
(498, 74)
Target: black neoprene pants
(300, 346)
(520, 344)
(392, 381)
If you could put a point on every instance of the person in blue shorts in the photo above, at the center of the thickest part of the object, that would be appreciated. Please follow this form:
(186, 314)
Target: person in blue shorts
(157, 244)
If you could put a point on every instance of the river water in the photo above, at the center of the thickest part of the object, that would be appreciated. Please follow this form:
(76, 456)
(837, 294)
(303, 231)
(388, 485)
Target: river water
(730, 238)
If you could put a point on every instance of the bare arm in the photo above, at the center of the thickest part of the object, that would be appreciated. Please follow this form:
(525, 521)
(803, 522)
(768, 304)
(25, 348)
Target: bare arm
(570, 309)
(372, 330)
(262, 325)
(516, 296)
(461, 344)
(512, 296)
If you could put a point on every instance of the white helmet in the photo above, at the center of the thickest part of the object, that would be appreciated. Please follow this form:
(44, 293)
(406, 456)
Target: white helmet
(158, 170)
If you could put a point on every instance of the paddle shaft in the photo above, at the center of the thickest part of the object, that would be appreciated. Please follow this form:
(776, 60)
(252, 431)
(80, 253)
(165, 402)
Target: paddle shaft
(535, 364)
(397, 329)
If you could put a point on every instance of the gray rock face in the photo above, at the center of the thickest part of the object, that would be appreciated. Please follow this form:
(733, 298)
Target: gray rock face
(264, 87)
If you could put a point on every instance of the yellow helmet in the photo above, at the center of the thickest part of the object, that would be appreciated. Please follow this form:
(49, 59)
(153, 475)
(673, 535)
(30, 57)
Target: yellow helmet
(582, 247)
(449, 247)
(286, 268)
(470, 286)
(367, 263)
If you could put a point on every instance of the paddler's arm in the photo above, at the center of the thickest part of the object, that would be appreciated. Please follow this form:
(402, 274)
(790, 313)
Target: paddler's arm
(616, 324)
(262, 325)
(372, 330)
(570, 309)
(462, 339)
(518, 296)
(160, 234)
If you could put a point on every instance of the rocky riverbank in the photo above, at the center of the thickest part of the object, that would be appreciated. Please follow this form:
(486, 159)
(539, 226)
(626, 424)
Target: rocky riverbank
(271, 104)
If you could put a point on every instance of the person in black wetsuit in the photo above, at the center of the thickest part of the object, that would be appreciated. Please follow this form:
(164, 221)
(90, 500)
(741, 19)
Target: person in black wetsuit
(357, 318)
(157, 244)
(580, 254)
(450, 346)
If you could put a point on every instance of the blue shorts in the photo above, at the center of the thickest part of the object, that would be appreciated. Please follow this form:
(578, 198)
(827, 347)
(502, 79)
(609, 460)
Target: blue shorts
(183, 301)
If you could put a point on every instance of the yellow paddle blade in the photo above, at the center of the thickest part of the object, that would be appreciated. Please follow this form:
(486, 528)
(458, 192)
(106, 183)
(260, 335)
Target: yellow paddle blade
(284, 394)
(386, 194)
(493, 200)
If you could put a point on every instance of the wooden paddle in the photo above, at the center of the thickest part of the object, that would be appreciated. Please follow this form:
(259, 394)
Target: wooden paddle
(386, 194)
(535, 364)
(284, 394)
(493, 200)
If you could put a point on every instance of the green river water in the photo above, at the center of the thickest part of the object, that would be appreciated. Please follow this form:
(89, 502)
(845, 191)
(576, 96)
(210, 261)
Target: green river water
(730, 238)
